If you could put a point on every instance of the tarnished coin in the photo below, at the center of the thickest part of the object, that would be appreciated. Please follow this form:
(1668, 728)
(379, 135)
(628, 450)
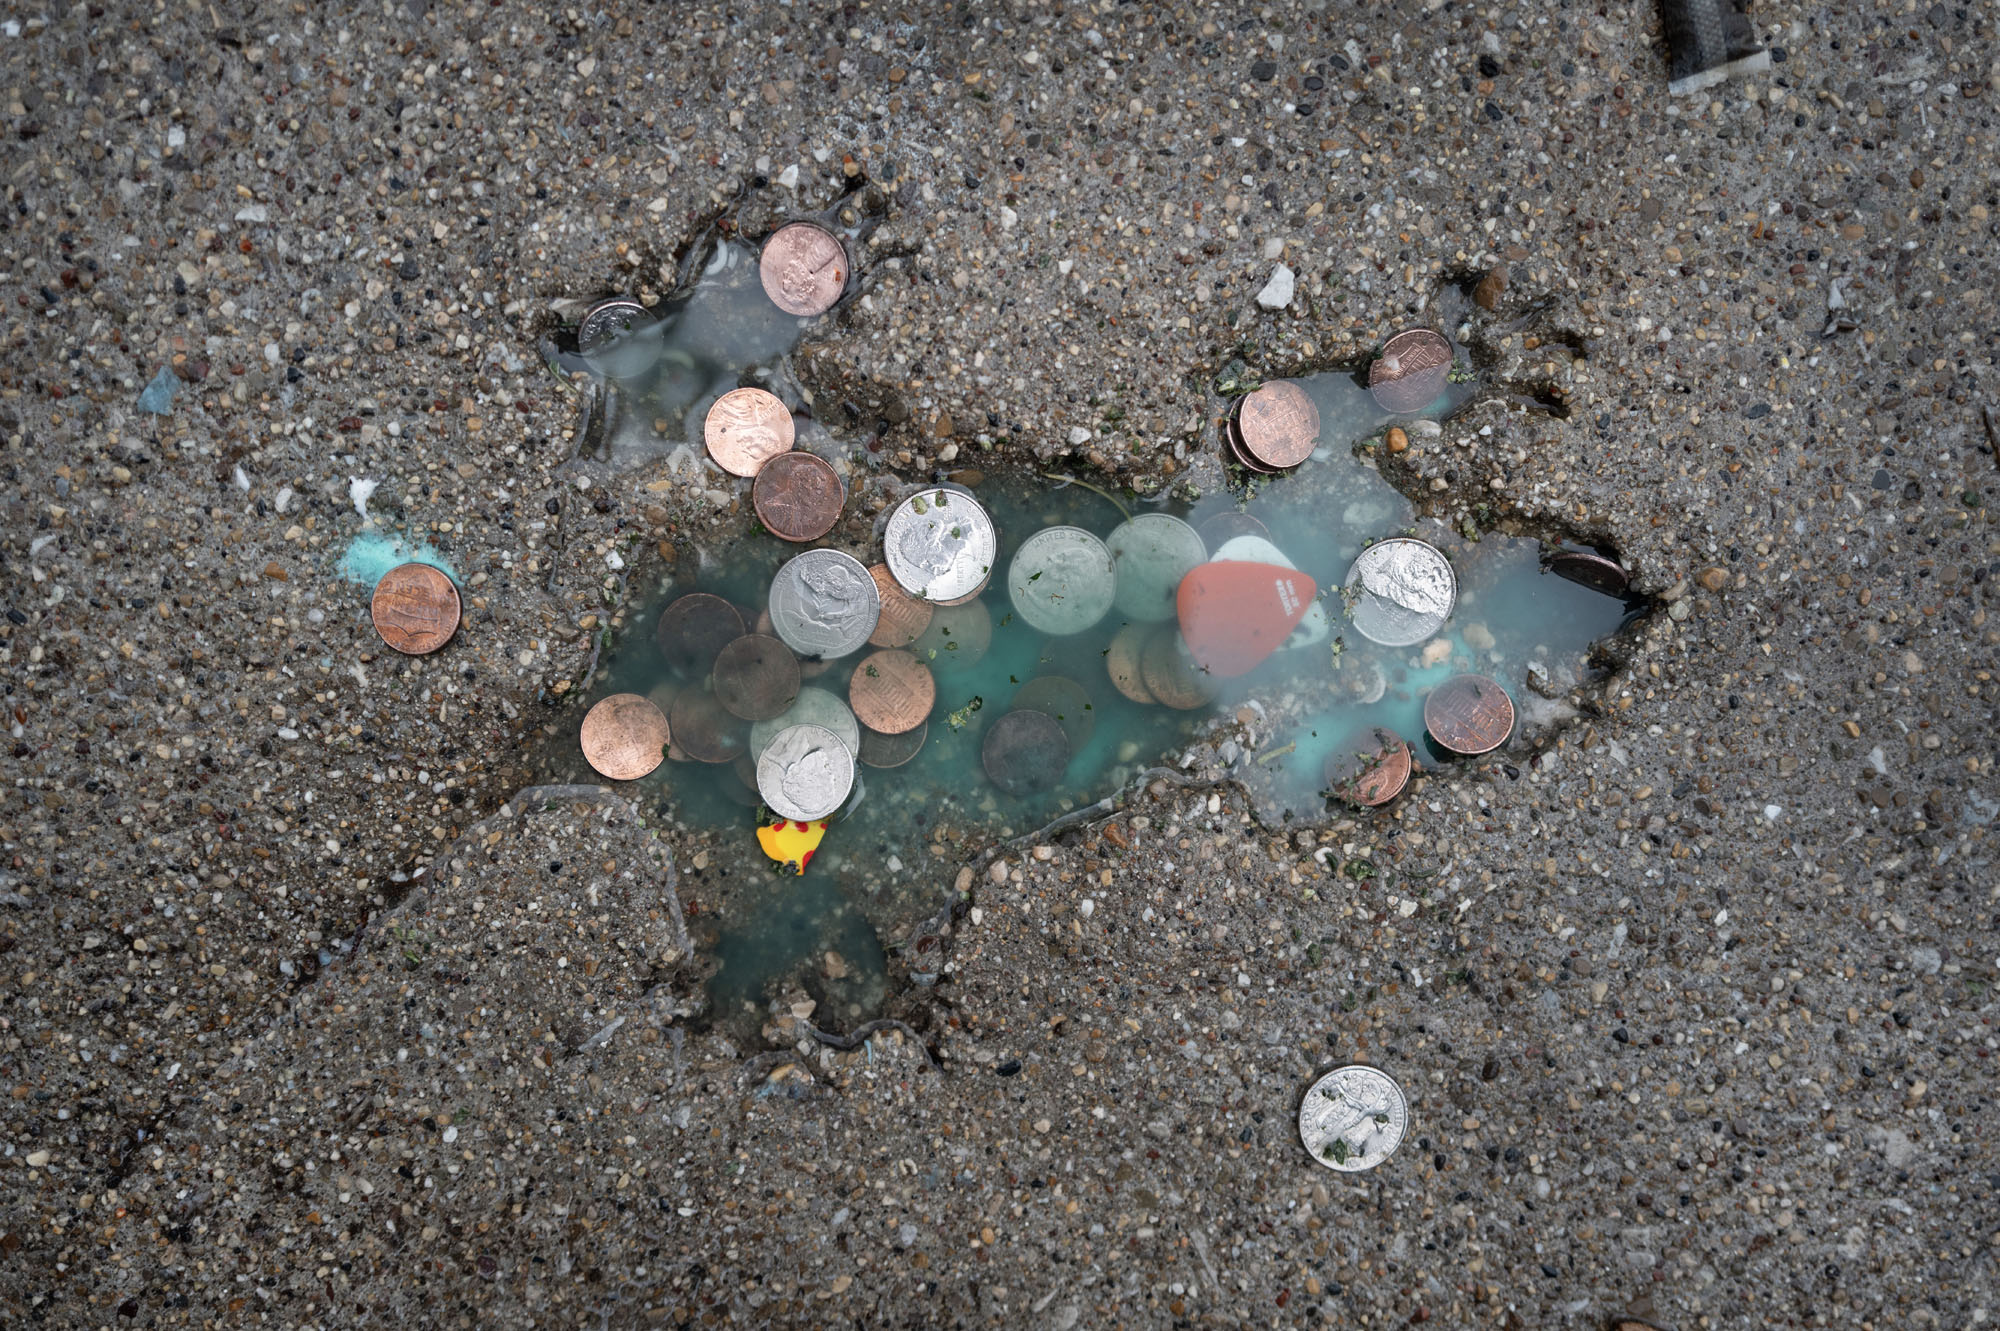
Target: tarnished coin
(756, 677)
(1122, 661)
(805, 773)
(803, 268)
(624, 736)
(1151, 554)
(940, 545)
(1400, 591)
(1171, 674)
(1353, 1118)
(1062, 580)
(880, 750)
(824, 604)
(1411, 371)
(957, 638)
(1225, 527)
(1278, 425)
(1370, 767)
(1064, 699)
(1590, 570)
(610, 320)
(415, 608)
(904, 618)
(1025, 752)
(892, 692)
(1469, 714)
(746, 428)
(1240, 451)
(694, 628)
(814, 707)
(798, 496)
(702, 727)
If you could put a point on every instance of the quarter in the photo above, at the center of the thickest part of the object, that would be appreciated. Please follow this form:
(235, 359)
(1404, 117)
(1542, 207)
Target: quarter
(1469, 714)
(1400, 591)
(891, 692)
(415, 609)
(1151, 553)
(1411, 371)
(803, 268)
(824, 604)
(940, 545)
(815, 707)
(746, 428)
(805, 773)
(1278, 424)
(756, 677)
(1062, 580)
(694, 628)
(798, 496)
(624, 736)
(1353, 1118)
(1025, 752)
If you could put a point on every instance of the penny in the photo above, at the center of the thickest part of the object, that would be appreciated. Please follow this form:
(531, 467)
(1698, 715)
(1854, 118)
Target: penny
(694, 628)
(1122, 662)
(624, 736)
(1469, 714)
(798, 496)
(1278, 425)
(756, 677)
(1225, 527)
(703, 729)
(940, 545)
(1400, 591)
(1171, 673)
(608, 321)
(904, 618)
(958, 637)
(1025, 752)
(1370, 767)
(880, 750)
(891, 691)
(1353, 1118)
(1062, 580)
(1241, 451)
(805, 773)
(415, 608)
(816, 707)
(1151, 554)
(1065, 700)
(824, 604)
(746, 428)
(1590, 570)
(803, 268)
(1411, 371)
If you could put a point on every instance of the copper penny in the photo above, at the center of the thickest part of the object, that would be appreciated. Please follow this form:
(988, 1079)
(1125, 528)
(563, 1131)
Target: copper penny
(892, 692)
(1122, 663)
(803, 268)
(1065, 700)
(880, 750)
(746, 428)
(1226, 527)
(1469, 714)
(624, 736)
(756, 677)
(415, 609)
(1024, 752)
(904, 618)
(1411, 371)
(1171, 674)
(694, 628)
(1233, 440)
(1370, 767)
(704, 730)
(1278, 424)
(1590, 570)
(798, 496)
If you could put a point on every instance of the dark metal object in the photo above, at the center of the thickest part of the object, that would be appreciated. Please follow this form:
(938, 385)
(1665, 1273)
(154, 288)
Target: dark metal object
(694, 628)
(1064, 699)
(1025, 752)
(880, 750)
(703, 729)
(1589, 570)
(1709, 41)
(756, 677)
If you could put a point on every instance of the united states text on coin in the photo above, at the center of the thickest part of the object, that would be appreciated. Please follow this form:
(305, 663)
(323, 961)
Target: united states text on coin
(1400, 591)
(1353, 1118)
(824, 604)
(940, 545)
(798, 496)
(1411, 371)
(891, 691)
(746, 428)
(756, 677)
(1062, 580)
(415, 608)
(624, 736)
(1469, 714)
(803, 268)
(904, 618)
(805, 773)
(693, 628)
(1278, 424)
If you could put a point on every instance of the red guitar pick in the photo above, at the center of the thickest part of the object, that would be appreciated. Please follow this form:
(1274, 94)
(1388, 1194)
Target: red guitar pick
(1234, 614)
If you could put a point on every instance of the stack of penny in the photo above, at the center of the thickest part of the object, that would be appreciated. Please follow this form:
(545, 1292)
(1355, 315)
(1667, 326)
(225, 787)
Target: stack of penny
(1273, 429)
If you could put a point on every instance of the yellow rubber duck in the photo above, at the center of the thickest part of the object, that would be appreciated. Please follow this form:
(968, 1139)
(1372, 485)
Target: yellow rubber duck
(791, 843)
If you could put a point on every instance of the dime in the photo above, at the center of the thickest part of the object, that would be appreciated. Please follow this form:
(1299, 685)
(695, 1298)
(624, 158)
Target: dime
(415, 609)
(608, 321)
(815, 707)
(1065, 700)
(824, 604)
(880, 750)
(1227, 526)
(746, 428)
(957, 639)
(798, 496)
(1122, 663)
(1400, 591)
(1411, 371)
(1151, 554)
(694, 628)
(891, 691)
(1370, 767)
(624, 736)
(1062, 580)
(702, 727)
(1469, 714)
(1241, 451)
(1278, 425)
(756, 677)
(1025, 752)
(1590, 570)
(940, 545)
(1171, 673)
(904, 617)
(1353, 1118)
(804, 269)
(805, 772)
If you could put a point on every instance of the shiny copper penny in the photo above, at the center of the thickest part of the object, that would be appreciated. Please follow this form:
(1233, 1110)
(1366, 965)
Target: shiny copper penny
(746, 428)
(1223, 528)
(892, 692)
(415, 609)
(798, 496)
(880, 750)
(1411, 371)
(1065, 700)
(804, 269)
(1370, 767)
(1240, 452)
(704, 730)
(1469, 714)
(904, 618)
(1025, 752)
(756, 677)
(694, 628)
(1278, 424)
(1122, 662)
(624, 736)
(1590, 570)
(1171, 674)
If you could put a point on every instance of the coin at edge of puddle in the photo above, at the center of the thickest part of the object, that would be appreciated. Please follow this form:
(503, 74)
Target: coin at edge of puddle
(1371, 766)
(891, 691)
(415, 609)
(1278, 424)
(1064, 699)
(1122, 661)
(904, 617)
(1411, 371)
(798, 496)
(624, 736)
(1171, 674)
(880, 750)
(608, 317)
(803, 268)
(1240, 452)
(1024, 752)
(940, 545)
(756, 677)
(1222, 528)
(1590, 570)
(1469, 714)
(703, 729)
(746, 428)
(694, 628)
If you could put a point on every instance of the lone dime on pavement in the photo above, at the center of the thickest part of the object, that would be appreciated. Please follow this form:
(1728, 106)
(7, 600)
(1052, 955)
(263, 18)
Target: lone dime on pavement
(803, 268)
(624, 736)
(415, 609)
(1353, 1118)
(745, 429)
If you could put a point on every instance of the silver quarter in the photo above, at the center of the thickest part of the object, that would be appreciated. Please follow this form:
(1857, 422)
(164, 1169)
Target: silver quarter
(1153, 552)
(940, 545)
(1400, 591)
(1062, 580)
(1353, 1118)
(806, 773)
(813, 707)
(824, 604)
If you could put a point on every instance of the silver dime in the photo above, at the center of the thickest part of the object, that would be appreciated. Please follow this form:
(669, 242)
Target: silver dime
(1062, 580)
(1153, 552)
(609, 320)
(806, 773)
(824, 604)
(1400, 591)
(940, 545)
(1353, 1118)
(816, 707)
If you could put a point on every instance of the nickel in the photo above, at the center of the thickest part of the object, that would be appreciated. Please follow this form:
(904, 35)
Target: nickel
(798, 496)
(745, 429)
(415, 608)
(624, 736)
(804, 269)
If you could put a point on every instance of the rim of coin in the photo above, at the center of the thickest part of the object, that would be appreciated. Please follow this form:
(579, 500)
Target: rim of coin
(1122, 661)
(1221, 528)
(891, 691)
(1150, 554)
(608, 318)
(904, 617)
(940, 545)
(1062, 580)
(415, 608)
(745, 428)
(1370, 768)
(624, 736)
(1064, 699)
(1278, 424)
(1414, 591)
(1171, 674)
(1239, 450)
(703, 728)
(814, 706)
(755, 677)
(1025, 752)
(1469, 714)
(803, 268)
(1350, 1099)
(805, 773)
(1589, 569)
(824, 604)
(1411, 370)
(694, 628)
(880, 750)
(798, 496)
(958, 637)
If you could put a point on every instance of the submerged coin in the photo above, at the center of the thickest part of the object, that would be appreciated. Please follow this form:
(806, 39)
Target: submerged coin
(1353, 1118)
(624, 736)
(816, 707)
(1469, 714)
(1170, 671)
(1278, 425)
(745, 429)
(1400, 591)
(1151, 554)
(892, 692)
(1590, 570)
(824, 604)
(703, 729)
(805, 772)
(694, 628)
(798, 496)
(1122, 661)
(904, 618)
(756, 677)
(803, 268)
(880, 750)
(1065, 700)
(1223, 528)
(1370, 767)
(957, 639)
(1024, 752)
(1062, 580)
(415, 609)
(940, 545)
(1411, 371)
(609, 320)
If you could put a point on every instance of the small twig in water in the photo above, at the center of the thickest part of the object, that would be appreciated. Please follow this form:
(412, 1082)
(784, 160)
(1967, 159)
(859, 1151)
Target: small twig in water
(1123, 511)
